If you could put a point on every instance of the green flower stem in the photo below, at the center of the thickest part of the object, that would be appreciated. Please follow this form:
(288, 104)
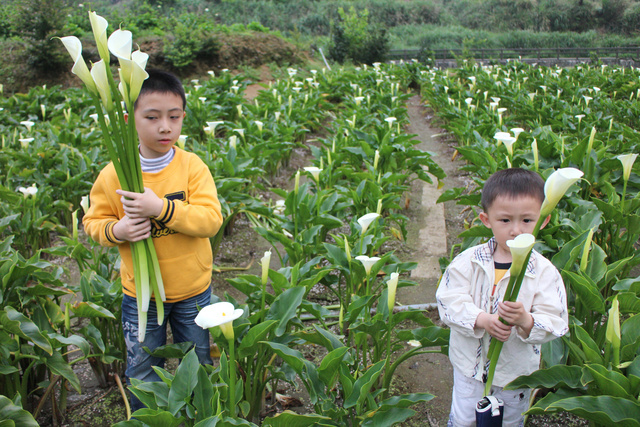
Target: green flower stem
(232, 377)
(624, 195)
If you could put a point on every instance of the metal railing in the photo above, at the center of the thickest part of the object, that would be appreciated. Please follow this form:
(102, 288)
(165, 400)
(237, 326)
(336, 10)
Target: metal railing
(500, 54)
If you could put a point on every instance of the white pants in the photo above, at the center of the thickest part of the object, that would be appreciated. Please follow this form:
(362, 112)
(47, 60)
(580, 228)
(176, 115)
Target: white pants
(468, 391)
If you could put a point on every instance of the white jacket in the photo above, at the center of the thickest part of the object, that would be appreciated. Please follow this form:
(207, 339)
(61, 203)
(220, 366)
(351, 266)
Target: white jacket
(465, 291)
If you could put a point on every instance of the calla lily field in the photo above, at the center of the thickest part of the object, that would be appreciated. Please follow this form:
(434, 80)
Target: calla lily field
(578, 127)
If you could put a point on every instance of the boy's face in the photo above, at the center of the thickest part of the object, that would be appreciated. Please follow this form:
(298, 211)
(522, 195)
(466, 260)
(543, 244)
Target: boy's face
(158, 122)
(508, 217)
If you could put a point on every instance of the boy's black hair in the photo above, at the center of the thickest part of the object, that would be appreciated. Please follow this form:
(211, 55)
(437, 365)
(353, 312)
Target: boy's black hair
(162, 82)
(512, 183)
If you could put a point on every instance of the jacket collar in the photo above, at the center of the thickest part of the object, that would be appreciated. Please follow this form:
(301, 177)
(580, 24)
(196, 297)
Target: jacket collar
(483, 255)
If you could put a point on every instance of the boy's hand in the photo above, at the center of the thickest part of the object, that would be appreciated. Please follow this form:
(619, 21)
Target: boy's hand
(493, 326)
(140, 205)
(132, 229)
(515, 314)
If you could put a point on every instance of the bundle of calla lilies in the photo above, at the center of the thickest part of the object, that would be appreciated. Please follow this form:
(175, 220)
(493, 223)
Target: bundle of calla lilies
(121, 139)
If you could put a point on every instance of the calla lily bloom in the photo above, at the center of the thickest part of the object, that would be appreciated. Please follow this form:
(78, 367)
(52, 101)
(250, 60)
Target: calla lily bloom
(213, 125)
(414, 343)
(220, 314)
(627, 161)
(613, 335)
(534, 149)
(182, 139)
(517, 131)
(80, 69)
(390, 120)
(99, 74)
(314, 171)
(28, 124)
(392, 286)
(84, 202)
(233, 141)
(507, 140)
(29, 191)
(24, 142)
(556, 185)
(264, 262)
(520, 248)
(367, 262)
(259, 124)
(366, 220)
(376, 160)
(99, 27)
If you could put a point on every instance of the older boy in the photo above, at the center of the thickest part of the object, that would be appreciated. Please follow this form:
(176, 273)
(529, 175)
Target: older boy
(471, 290)
(179, 209)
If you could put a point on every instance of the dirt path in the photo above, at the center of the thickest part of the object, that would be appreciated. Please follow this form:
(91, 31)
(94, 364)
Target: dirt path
(430, 373)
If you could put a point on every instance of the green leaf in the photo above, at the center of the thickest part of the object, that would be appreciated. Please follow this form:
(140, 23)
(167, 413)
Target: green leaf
(604, 410)
(387, 417)
(329, 367)
(184, 382)
(59, 366)
(175, 351)
(16, 323)
(256, 334)
(157, 418)
(609, 383)
(555, 376)
(586, 290)
(203, 395)
(591, 350)
(91, 310)
(405, 400)
(629, 302)
(76, 340)
(13, 412)
(363, 385)
(291, 419)
(284, 308)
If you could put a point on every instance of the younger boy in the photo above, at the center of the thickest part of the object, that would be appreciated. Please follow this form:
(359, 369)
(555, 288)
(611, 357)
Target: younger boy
(179, 209)
(469, 301)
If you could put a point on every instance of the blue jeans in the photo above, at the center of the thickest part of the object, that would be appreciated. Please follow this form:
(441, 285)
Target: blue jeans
(181, 316)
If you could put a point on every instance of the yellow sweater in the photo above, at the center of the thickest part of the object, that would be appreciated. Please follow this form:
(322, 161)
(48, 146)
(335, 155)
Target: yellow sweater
(190, 215)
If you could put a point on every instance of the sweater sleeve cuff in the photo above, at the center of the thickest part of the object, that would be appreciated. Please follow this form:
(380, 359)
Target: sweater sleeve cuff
(110, 236)
(168, 211)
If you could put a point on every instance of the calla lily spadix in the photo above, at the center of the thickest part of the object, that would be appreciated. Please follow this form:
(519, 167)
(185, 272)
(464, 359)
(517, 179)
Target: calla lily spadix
(367, 262)
(220, 314)
(80, 69)
(366, 220)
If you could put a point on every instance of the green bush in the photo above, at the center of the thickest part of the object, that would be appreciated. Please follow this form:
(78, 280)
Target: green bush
(191, 39)
(355, 39)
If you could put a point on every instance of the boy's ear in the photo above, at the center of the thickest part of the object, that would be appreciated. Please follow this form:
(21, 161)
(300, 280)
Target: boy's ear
(546, 221)
(485, 219)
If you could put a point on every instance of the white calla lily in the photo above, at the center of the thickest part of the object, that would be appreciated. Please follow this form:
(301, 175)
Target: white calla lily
(556, 185)
(264, 262)
(28, 124)
(507, 140)
(29, 191)
(99, 74)
(314, 171)
(84, 202)
(80, 69)
(613, 335)
(99, 27)
(182, 139)
(627, 161)
(520, 248)
(220, 314)
(392, 286)
(366, 220)
(367, 262)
